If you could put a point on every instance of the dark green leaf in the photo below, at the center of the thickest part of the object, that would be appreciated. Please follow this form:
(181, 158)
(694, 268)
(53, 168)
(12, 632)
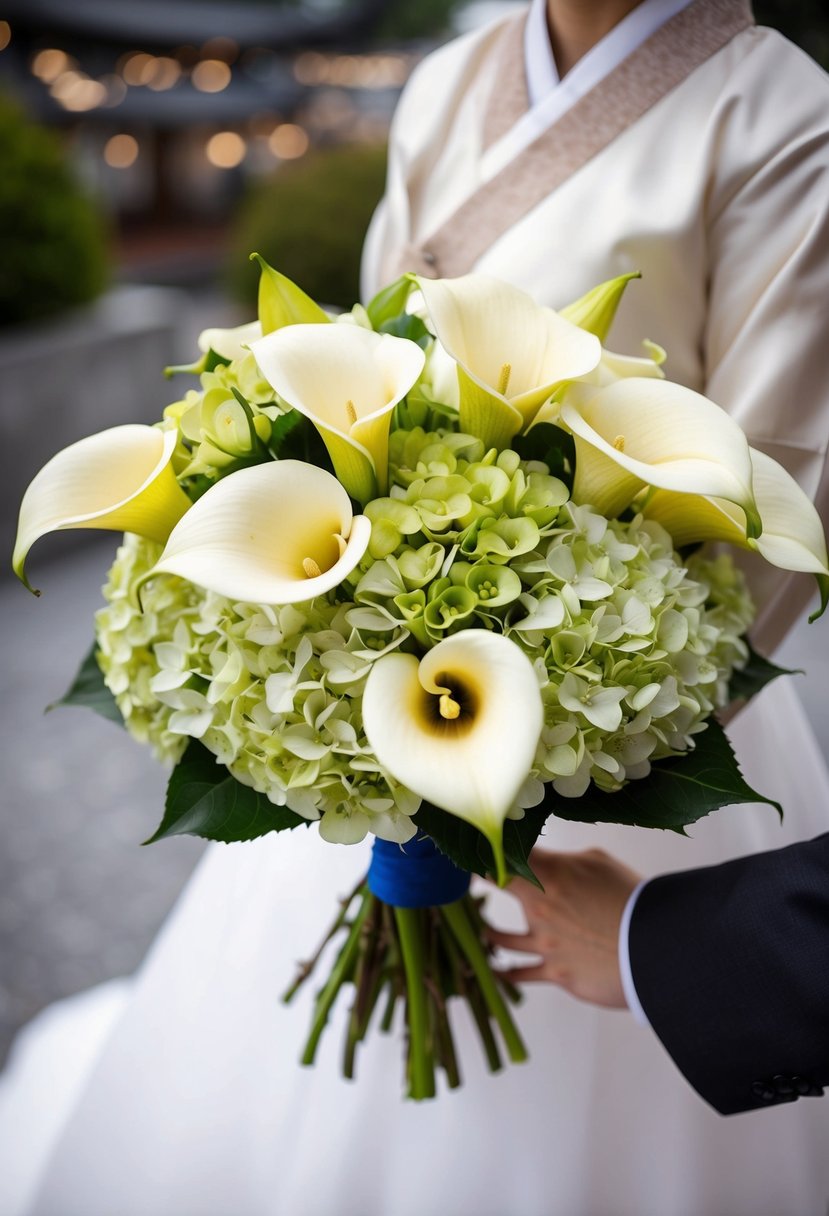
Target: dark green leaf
(88, 689)
(675, 793)
(550, 444)
(757, 673)
(470, 850)
(204, 800)
(282, 427)
(298, 439)
(407, 326)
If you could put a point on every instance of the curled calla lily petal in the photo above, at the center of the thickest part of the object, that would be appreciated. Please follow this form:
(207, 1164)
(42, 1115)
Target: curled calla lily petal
(596, 309)
(640, 432)
(230, 344)
(459, 727)
(511, 353)
(276, 533)
(792, 537)
(120, 480)
(347, 380)
(610, 368)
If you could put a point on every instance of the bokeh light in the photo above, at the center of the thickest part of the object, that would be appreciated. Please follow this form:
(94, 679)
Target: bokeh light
(225, 149)
(136, 67)
(5, 35)
(121, 151)
(162, 74)
(48, 64)
(211, 76)
(288, 141)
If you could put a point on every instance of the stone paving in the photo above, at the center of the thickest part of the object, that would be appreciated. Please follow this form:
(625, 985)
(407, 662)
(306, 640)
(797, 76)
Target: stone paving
(80, 900)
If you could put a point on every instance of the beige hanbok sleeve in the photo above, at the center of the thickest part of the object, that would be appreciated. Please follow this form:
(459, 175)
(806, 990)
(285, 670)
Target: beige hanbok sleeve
(766, 339)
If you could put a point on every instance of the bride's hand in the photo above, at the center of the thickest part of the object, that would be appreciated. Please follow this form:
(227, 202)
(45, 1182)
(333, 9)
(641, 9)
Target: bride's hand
(573, 924)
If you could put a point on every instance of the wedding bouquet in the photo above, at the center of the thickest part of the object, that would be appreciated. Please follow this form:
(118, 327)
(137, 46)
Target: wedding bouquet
(429, 570)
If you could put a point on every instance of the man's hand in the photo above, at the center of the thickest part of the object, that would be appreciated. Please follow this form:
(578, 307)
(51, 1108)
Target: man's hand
(573, 924)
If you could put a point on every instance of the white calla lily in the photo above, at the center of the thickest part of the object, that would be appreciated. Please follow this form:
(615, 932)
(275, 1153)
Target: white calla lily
(230, 343)
(120, 480)
(792, 537)
(511, 353)
(640, 432)
(459, 727)
(346, 380)
(276, 533)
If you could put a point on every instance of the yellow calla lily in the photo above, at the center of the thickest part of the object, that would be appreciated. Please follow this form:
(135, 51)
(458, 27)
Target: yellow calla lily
(792, 537)
(460, 727)
(346, 380)
(276, 533)
(120, 480)
(511, 353)
(639, 432)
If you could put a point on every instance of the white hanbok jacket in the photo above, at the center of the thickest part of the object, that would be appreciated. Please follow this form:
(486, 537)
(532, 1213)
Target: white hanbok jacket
(701, 160)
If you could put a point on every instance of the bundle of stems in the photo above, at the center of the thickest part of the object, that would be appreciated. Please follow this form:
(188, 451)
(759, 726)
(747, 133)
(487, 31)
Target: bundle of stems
(419, 957)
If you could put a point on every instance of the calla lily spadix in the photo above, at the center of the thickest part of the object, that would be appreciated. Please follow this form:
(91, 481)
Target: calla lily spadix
(511, 353)
(459, 727)
(276, 533)
(640, 432)
(347, 380)
(120, 480)
(792, 536)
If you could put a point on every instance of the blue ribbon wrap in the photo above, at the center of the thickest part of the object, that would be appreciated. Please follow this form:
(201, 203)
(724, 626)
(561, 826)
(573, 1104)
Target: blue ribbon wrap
(415, 874)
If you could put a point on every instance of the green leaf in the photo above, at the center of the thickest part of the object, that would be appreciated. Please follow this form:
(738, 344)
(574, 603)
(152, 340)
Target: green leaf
(204, 800)
(390, 301)
(294, 437)
(675, 793)
(746, 682)
(88, 689)
(407, 326)
(470, 850)
(552, 445)
(281, 428)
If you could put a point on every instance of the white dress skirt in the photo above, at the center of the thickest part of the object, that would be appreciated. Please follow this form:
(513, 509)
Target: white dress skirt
(181, 1094)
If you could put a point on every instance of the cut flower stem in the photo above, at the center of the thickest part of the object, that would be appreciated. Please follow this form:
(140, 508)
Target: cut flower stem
(423, 957)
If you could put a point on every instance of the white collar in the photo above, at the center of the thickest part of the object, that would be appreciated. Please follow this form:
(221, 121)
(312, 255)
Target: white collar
(600, 60)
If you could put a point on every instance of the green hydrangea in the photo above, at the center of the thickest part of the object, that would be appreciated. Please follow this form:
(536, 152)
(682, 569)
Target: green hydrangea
(633, 648)
(273, 692)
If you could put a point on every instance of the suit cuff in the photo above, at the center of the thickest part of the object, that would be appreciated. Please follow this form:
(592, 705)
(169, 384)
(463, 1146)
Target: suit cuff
(628, 986)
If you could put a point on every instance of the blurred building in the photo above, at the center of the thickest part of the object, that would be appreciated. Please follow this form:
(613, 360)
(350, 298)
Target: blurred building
(170, 107)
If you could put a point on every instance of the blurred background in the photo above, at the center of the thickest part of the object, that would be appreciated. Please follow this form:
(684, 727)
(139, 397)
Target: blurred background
(145, 150)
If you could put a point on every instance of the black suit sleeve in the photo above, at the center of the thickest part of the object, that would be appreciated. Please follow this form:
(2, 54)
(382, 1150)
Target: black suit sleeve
(731, 965)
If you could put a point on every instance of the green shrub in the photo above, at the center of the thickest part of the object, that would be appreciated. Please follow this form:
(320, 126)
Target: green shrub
(52, 245)
(309, 221)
